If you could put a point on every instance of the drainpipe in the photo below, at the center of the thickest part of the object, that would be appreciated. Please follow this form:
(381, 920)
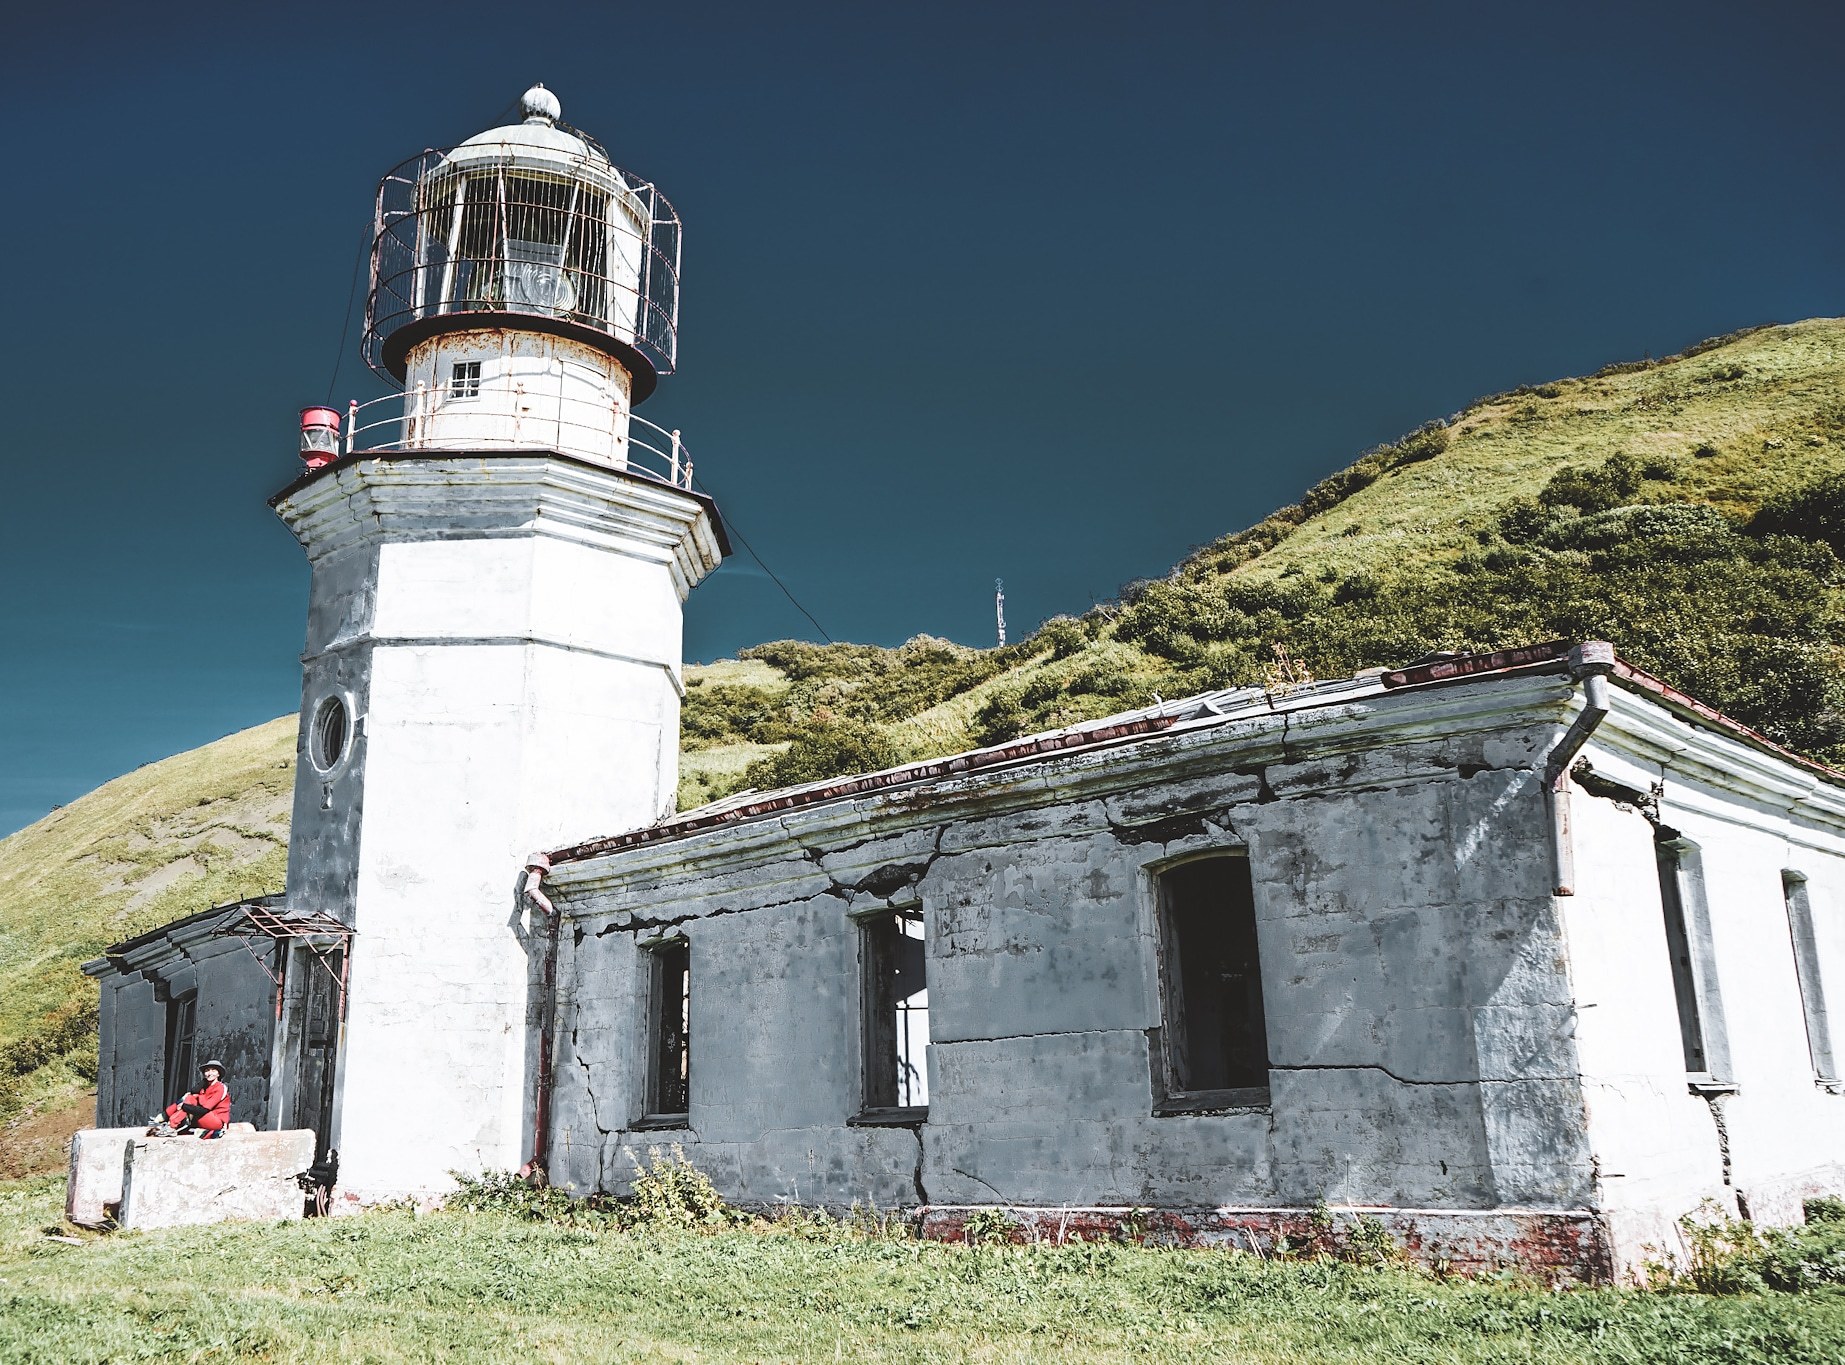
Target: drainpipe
(1590, 662)
(535, 868)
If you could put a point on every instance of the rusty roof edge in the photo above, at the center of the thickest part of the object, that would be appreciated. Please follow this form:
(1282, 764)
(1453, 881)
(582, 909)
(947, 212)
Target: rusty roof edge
(890, 779)
(1440, 673)
(1676, 700)
(1149, 721)
(116, 951)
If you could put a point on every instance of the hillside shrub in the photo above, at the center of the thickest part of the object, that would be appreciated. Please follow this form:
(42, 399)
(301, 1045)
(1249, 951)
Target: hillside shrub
(1062, 636)
(1523, 519)
(1685, 531)
(723, 713)
(828, 745)
(1593, 489)
(1002, 716)
(1815, 511)
(1424, 443)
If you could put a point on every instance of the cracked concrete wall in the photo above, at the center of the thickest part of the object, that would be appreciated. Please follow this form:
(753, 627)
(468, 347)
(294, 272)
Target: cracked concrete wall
(1418, 1010)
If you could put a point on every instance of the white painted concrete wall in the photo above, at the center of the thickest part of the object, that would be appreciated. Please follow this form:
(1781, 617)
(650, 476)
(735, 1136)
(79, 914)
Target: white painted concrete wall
(1658, 1145)
(509, 629)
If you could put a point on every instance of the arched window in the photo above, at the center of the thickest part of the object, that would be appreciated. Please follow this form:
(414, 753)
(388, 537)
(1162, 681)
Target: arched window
(1214, 1033)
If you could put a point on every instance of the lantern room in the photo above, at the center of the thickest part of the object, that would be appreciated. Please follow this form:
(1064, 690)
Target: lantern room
(528, 227)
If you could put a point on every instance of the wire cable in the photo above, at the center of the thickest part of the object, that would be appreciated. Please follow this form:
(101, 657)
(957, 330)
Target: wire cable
(352, 292)
(731, 526)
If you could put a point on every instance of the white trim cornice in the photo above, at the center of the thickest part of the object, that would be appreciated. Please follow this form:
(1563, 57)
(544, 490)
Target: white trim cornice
(500, 496)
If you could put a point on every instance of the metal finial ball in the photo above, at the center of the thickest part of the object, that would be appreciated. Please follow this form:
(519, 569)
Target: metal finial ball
(539, 105)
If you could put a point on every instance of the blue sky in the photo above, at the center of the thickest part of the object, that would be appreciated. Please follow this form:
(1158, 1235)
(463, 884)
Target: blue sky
(1043, 292)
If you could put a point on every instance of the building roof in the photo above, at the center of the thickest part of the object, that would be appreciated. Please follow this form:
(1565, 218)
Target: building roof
(1205, 710)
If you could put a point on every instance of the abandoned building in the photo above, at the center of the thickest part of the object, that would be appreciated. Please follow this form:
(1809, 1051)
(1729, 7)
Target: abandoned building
(1524, 954)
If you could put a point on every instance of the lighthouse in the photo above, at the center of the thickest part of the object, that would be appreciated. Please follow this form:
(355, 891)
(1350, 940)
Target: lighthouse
(500, 551)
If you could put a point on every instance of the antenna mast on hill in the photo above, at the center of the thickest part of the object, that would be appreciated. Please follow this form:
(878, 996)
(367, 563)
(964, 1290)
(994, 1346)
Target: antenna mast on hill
(999, 608)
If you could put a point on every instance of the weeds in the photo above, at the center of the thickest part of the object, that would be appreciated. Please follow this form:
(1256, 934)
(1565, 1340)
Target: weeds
(1727, 1256)
(668, 1194)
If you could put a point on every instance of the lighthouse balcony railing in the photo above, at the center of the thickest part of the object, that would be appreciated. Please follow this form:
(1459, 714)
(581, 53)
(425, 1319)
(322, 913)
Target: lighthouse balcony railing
(485, 418)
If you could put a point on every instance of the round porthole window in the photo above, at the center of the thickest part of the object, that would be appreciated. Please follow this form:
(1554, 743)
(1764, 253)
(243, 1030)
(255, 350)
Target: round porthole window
(332, 727)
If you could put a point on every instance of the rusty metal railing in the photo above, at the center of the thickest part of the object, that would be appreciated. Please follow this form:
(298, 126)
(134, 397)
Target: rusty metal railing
(414, 421)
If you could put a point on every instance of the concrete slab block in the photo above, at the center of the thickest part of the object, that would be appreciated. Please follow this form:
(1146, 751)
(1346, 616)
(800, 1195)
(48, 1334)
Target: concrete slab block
(177, 1181)
(94, 1185)
(93, 1191)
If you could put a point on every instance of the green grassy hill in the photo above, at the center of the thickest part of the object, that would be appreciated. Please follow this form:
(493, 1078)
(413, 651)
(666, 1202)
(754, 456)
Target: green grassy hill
(192, 831)
(1690, 509)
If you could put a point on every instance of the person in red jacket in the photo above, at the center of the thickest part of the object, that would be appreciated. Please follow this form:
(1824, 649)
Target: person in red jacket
(208, 1109)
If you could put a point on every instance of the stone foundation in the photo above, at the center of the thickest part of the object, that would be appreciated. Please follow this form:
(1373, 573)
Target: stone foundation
(1567, 1244)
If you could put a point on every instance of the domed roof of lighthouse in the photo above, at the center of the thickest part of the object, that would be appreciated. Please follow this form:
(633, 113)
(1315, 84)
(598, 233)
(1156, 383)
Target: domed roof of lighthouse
(536, 141)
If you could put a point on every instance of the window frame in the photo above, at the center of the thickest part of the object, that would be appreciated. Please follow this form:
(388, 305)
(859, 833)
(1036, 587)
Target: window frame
(337, 703)
(1810, 980)
(1170, 1096)
(877, 1100)
(658, 967)
(464, 379)
(181, 1051)
(1691, 955)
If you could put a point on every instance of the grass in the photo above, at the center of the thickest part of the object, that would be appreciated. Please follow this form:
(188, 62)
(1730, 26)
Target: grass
(391, 1286)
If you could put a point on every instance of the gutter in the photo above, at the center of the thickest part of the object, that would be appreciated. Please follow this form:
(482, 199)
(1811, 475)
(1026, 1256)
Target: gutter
(1590, 662)
(531, 890)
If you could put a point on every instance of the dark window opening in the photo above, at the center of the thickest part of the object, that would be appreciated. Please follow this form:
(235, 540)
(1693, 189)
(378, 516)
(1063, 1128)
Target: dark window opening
(1693, 960)
(669, 1078)
(464, 380)
(329, 733)
(1215, 1034)
(896, 1015)
(182, 1026)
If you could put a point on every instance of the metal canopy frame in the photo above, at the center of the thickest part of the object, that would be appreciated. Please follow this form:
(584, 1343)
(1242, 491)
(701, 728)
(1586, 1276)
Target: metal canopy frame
(311, 930)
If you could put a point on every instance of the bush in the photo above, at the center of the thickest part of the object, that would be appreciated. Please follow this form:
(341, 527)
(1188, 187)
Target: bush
(1685, 531)
(1732, 1257)
(1824, 1210)
(717, 713)
(1815, 510)
(1002, 716)
(1593, 490)
(1062, 636)
(67, 1034)
(829, 746)
(669, 1194)
(1522, 520)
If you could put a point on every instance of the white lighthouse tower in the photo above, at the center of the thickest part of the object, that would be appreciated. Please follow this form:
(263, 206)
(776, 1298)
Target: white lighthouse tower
(499, 558)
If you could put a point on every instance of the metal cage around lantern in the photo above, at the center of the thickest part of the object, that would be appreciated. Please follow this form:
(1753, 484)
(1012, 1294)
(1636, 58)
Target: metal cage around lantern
(472, 233)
